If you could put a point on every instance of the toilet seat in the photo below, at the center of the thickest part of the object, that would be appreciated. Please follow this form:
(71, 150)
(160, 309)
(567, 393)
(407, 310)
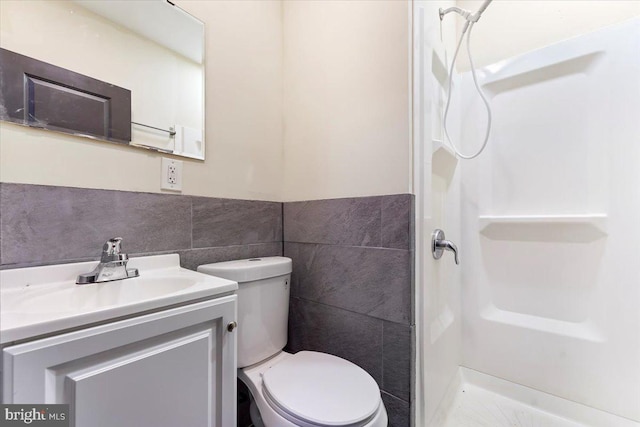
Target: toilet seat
(318, 389)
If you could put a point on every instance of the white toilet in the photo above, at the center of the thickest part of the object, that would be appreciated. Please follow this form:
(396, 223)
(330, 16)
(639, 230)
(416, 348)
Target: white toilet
(308, 389)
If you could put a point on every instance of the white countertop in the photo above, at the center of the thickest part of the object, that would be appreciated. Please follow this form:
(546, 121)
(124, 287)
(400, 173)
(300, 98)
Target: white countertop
(41, 300)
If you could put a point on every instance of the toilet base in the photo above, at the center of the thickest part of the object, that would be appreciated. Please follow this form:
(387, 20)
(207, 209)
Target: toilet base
(254, 413)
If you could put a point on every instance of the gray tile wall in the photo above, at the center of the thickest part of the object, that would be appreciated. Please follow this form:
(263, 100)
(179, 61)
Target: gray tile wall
(351, 291)
(47, 224)
(351, 287)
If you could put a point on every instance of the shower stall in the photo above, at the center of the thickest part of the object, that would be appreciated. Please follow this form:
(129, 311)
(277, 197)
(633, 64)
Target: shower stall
(539, 325)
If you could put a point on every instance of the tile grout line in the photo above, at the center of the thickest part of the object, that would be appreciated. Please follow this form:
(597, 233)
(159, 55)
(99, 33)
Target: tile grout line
(282, 228)
(11, 266)
(349, 246)
(408, 325)
(395, 397)
(382, 356)
(381, 224)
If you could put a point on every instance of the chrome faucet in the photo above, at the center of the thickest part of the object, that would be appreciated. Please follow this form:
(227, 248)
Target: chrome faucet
(112, 266)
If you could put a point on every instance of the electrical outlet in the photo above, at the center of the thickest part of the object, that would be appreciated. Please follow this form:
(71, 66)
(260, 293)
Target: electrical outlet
(171, 174)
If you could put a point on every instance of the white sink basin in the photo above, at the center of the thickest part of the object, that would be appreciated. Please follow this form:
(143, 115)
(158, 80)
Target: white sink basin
(41, 300)
(67, 299)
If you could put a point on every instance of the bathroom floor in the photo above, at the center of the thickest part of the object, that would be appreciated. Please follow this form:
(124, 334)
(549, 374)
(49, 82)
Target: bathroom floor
(476, 407)
(244, 403)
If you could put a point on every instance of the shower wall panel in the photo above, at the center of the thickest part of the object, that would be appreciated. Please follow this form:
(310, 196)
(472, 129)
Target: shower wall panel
(436, 184)
(551, 221)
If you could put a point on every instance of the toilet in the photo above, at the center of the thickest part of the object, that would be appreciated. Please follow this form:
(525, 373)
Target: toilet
(308, 388)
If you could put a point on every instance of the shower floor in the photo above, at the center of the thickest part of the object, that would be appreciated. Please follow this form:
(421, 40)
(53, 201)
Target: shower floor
(480, 400)
(476, 407)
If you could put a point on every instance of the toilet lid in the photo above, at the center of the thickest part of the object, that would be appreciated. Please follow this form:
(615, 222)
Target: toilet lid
(322, 389)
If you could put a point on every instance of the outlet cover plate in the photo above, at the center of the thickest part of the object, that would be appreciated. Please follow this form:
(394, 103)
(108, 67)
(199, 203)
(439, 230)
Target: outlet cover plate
(171, 176)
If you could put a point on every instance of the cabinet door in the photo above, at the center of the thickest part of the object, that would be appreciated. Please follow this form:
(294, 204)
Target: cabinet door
(171, 368)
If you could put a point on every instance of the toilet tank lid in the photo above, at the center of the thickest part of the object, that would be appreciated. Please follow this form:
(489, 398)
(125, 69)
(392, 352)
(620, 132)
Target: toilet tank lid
(248, 270)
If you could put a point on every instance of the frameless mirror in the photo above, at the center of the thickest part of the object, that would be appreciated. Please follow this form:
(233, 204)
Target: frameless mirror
(75, 66)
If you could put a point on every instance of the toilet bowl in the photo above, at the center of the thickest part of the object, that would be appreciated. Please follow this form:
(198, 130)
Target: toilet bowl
(306, 389)
(312, 389)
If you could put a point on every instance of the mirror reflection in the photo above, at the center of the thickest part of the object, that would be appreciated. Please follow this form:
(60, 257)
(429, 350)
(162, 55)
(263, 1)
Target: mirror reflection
(150, 48)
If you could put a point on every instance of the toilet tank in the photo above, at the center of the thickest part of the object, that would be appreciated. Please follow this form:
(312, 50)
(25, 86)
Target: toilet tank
(263, 304)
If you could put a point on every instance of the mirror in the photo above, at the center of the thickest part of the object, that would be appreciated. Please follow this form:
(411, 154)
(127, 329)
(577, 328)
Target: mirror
(74, 62)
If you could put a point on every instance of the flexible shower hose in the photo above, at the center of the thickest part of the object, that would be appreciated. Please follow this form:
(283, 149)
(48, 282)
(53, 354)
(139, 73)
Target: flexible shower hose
(467, 29)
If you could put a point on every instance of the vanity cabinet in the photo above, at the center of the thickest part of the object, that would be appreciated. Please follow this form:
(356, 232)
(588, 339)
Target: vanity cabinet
(175, 367)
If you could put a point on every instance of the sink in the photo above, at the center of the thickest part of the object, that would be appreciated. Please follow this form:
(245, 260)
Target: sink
(41, 300)
(68, 299)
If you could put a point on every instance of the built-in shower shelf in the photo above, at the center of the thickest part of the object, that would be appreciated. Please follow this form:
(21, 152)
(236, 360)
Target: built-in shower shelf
(444, 160)
(555, 228)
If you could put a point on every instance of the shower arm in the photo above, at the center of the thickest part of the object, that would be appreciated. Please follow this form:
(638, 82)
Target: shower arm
(470, 17)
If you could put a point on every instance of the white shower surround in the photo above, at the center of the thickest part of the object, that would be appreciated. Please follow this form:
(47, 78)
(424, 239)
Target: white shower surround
(550, 221)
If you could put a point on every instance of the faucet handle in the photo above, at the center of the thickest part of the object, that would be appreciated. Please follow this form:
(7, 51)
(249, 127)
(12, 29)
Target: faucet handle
(439, 245)
(449, 246)
(111, 251)
(112, 246)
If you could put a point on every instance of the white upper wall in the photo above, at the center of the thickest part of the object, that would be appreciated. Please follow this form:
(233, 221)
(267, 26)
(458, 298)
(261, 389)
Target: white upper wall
(243, 98)
(243, 115)
(345, 126)
(347, 96)
(346, 114)
(511, 27)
